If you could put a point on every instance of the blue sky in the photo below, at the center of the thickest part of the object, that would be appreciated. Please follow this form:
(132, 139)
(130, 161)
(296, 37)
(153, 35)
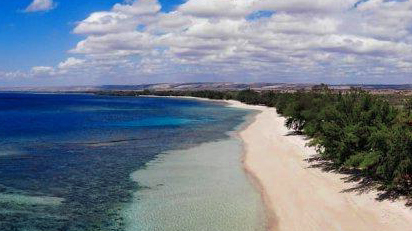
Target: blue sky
(83, 42)
(43, 38)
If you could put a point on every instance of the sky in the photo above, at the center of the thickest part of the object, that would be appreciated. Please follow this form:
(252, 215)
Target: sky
(89, 42)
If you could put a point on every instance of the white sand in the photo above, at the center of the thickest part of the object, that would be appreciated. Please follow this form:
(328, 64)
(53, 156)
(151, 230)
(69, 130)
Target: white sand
(301, 198)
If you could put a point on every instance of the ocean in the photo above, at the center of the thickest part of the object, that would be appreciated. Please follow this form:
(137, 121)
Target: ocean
(87, 162)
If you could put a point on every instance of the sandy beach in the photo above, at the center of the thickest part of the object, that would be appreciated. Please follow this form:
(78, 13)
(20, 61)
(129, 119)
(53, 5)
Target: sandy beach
(301, 198)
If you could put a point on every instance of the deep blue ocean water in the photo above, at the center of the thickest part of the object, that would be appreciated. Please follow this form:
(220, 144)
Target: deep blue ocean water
(66, 159)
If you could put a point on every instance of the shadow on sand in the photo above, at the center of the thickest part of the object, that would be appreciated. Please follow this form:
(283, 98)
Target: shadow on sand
(363, 183)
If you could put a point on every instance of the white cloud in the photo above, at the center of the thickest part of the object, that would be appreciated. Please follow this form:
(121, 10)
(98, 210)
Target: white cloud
(42, 70)
(217, 8)
(301, 40)
(120, 44)
(71, 63)
(122, 17)
(306, 6)
(40, 5)
(141, 7)
(105, 22)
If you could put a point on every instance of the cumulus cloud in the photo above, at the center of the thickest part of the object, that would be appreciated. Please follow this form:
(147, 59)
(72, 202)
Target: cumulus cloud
(217, 8)
(125, 43)
(305, 6)
(71, 63)
(40, 5)
(42, 70)
(298, 40)
(122, 17)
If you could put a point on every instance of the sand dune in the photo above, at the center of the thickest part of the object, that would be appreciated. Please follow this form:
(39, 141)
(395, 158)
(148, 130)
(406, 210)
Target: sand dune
(301, 198)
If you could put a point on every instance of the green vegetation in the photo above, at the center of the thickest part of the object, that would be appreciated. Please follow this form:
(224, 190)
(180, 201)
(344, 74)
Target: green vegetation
(352, 130)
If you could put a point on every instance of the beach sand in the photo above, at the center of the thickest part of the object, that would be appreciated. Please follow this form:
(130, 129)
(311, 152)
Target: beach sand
(301, 198)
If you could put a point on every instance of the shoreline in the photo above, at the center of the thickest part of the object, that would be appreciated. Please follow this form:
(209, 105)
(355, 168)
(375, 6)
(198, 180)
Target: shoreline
(209, 176)
(270, 214)
(300, 197)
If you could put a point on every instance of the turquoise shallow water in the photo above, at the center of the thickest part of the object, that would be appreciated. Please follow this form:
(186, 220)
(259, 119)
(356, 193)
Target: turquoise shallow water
(202, 188)
(158, 121)
(68, 162)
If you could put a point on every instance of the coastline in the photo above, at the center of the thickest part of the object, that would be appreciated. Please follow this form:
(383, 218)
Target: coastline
(270, 214)
(300, 197)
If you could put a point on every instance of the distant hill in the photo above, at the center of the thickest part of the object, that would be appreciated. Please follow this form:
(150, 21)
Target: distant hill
(206, 86)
